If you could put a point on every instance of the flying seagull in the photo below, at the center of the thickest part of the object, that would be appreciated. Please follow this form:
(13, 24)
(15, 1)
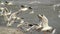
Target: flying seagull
(44, 24)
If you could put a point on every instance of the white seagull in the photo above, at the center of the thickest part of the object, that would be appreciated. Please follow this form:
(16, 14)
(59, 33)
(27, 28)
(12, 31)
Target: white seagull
(21, 23)
(44, 24)
(6, 3)
(23, 8)
(1, 11)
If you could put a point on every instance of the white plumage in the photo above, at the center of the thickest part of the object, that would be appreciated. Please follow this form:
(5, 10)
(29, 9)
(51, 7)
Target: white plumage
(44, 24)
(32, 12)
(8, 3)
(24, 9)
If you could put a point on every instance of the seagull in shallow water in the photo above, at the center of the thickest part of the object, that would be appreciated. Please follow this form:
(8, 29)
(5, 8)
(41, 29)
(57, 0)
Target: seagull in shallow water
(24, 8)
(44, 24)
(6, 3)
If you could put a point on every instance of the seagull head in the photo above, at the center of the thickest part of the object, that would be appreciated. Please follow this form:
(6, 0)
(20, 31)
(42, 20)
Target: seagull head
(22, 6)
(29, 7)
(40, 16)
(6, 2)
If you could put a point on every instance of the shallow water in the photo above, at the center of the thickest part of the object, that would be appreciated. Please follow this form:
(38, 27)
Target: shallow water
(45, 7)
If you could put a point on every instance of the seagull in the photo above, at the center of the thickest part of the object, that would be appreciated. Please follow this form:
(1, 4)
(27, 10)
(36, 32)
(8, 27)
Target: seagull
(32, 12)
(5, 11)
(23, 8)
(6, 3)
(1, 11)
(46, 27)
(30, 8)
(21, 22)
(43, 26)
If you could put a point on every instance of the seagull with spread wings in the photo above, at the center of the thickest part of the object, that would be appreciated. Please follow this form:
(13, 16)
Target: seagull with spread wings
(44, 25)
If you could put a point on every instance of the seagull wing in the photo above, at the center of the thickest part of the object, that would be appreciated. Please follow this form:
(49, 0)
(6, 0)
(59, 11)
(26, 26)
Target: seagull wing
(43, 19)
(53, 31)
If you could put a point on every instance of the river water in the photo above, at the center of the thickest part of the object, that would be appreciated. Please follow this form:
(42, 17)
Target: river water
(40, 7)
